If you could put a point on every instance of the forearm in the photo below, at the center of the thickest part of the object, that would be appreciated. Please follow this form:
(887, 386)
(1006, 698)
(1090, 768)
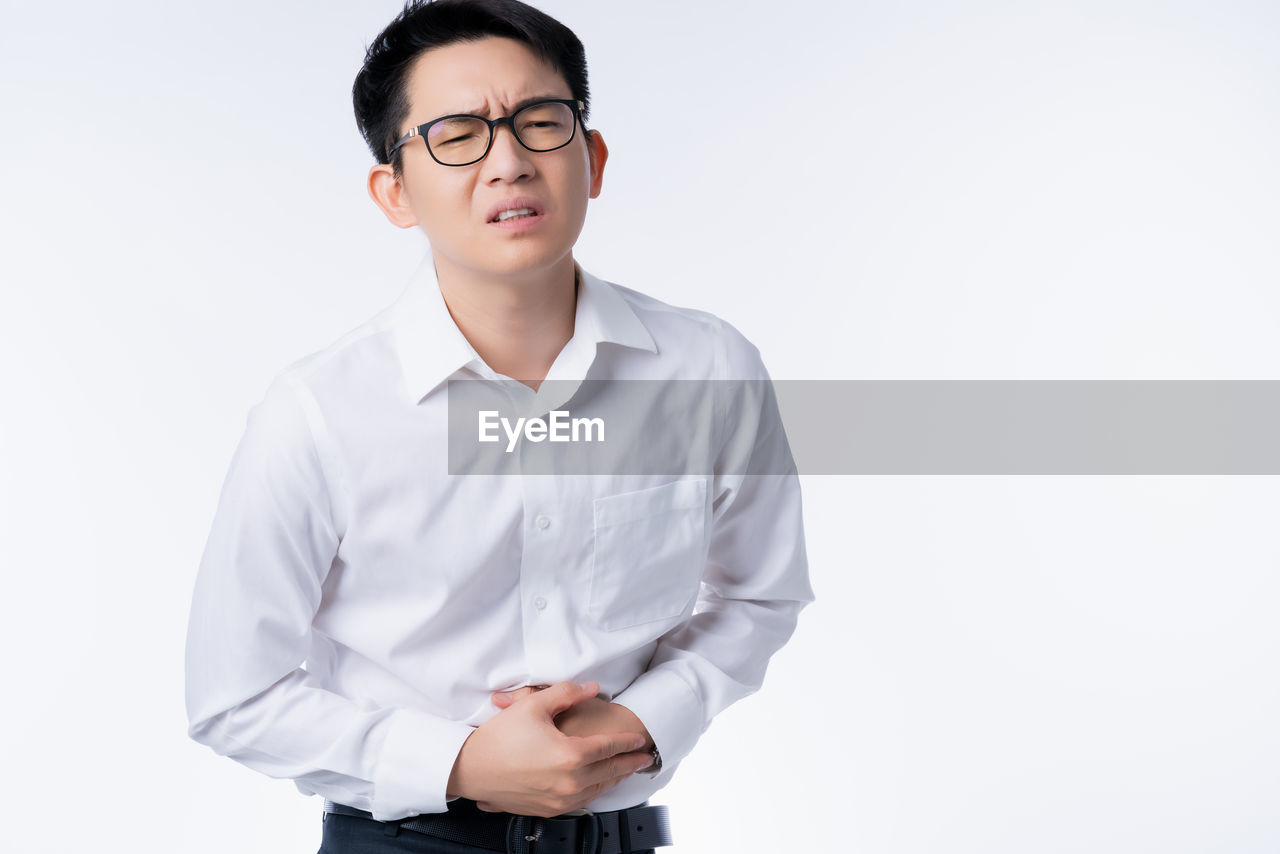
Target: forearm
(717, 658)
(392, 762)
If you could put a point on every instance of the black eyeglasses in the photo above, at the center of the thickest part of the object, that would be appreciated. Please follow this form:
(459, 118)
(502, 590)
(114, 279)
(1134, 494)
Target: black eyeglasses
(460, 140)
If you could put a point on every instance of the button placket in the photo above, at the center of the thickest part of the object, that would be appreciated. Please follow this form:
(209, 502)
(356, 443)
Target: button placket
(539, 551)
(541, 522)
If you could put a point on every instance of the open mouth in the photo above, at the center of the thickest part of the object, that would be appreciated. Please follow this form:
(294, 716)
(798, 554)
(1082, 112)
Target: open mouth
(517, 213)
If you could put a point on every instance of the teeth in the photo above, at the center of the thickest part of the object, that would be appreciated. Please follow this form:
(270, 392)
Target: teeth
(512, 214)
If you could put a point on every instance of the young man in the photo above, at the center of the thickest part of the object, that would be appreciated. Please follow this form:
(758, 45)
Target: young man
(511, 662)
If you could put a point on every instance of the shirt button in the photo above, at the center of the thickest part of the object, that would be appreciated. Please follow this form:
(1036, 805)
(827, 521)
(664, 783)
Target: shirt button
(539, 603)
(542, 522)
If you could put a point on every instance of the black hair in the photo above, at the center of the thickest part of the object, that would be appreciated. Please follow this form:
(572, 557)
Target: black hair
(380, 92)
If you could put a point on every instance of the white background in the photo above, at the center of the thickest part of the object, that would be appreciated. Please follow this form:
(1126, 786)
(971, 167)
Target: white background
(908, 190)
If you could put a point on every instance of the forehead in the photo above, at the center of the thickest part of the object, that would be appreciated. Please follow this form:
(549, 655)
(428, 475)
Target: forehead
(486, 76)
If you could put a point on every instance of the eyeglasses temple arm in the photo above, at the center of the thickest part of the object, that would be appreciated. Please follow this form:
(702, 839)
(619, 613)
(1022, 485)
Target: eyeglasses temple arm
(402, 140)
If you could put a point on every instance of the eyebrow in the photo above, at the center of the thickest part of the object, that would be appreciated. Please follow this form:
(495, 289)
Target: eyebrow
(518, 106)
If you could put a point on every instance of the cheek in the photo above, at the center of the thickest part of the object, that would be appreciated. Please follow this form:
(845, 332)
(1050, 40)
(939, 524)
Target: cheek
(577, 179)
(442, 204)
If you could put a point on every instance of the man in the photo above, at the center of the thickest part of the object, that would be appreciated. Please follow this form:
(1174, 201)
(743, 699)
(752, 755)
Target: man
(509, 662)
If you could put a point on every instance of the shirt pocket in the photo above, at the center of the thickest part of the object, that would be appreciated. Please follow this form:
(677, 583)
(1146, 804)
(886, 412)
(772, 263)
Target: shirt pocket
(649, 553)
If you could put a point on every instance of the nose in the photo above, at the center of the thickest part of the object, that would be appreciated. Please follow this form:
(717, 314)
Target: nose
(507, 160)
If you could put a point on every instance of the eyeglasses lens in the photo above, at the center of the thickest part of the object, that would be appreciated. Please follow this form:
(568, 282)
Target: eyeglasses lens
(540, 127)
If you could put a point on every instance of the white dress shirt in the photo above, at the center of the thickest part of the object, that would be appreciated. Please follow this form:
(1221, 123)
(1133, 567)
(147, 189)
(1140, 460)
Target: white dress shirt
(356, 604)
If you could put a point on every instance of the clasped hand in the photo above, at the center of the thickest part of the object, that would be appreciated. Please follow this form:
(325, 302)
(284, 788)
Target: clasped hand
(549, 751)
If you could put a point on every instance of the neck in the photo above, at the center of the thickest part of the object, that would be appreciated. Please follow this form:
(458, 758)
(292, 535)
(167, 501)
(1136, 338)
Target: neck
(518, 324)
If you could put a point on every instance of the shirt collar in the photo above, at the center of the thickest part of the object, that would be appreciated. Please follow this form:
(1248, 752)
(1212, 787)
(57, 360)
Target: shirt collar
(431, 348)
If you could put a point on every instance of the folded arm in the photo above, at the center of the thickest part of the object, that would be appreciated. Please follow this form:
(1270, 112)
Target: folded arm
(274, 537)
(754, 584)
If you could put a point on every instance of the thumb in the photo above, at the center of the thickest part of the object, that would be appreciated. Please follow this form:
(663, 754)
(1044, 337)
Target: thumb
(562, 695)
(505, 699)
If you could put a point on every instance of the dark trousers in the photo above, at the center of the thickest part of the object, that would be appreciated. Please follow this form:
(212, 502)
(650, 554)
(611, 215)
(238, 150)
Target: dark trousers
(347, 834)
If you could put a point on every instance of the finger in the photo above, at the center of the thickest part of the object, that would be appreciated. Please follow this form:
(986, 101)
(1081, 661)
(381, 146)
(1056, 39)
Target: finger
(484, 807)
(504, 699)
(615, 769)
(562, 695)
(596, 748)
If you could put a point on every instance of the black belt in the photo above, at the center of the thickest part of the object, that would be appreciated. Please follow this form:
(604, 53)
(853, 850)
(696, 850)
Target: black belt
(637, 828)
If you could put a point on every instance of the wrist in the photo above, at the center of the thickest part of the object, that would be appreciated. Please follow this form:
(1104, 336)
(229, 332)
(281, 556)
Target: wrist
(637, 725)
(459, 781)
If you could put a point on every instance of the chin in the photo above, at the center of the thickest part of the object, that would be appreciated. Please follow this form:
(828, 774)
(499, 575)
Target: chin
(522, 259)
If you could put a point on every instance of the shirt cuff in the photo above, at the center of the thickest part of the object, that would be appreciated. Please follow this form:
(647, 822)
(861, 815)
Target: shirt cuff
(669, 710)
(414, 764)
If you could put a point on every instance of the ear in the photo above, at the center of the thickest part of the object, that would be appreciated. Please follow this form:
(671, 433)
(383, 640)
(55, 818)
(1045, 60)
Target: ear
(597, 153)
(389, 195)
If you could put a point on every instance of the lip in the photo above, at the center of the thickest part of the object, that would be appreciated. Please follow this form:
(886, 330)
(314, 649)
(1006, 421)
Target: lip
(534, 204)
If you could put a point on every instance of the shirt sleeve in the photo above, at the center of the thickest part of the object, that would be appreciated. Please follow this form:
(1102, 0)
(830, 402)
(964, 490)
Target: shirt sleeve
(755, 582)
(273, 540)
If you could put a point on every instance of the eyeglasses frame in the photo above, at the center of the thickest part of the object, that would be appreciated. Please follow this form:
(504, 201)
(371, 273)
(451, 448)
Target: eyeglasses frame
(509, 121)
